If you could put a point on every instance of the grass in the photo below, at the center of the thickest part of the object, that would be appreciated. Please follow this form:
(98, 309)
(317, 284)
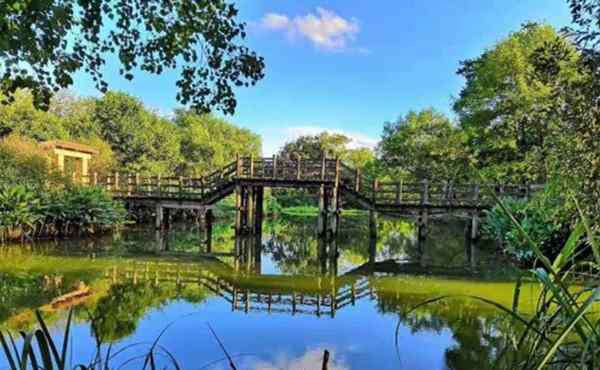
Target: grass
(563, 331)
(314, 211)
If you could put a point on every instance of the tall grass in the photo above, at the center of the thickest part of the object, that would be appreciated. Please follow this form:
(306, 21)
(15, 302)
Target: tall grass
(564, 330)
(40, 350)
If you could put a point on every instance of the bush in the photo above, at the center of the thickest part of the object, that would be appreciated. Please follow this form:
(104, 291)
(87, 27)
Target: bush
(27, 212)
(24, 162)
(546, 218)
(80, 210)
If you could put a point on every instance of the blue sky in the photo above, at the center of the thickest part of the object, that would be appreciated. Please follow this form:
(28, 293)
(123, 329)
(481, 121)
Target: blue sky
(349, 66)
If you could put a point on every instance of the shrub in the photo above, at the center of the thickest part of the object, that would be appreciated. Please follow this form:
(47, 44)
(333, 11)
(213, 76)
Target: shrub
(24, 162)
(19, 211)
(546, 218)
(81, 210)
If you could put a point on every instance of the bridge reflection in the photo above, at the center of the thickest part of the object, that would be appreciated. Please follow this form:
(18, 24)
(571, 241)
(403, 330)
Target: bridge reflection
(238, 279)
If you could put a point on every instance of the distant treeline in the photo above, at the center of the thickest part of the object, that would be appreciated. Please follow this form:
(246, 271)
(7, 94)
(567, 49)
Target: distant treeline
(129, 135)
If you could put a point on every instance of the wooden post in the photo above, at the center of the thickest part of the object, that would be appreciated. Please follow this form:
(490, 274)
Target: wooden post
(398, 192)
(337, 172)
(238, 165)
(116, 181)
(208, 226)
(137, 183)
(274, 166)
(180, 186)
(258, 211)
(298, 169)
(372, 235)
(357, 180)
(251, 165)
(159, 216)
(323, 165)
(158, 185)
(238, 211)
(323, 211)
(425, 193)
(95, 179)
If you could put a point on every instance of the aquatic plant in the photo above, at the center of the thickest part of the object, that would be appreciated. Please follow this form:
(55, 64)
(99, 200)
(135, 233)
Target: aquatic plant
(40, 350)
(27, 212)
(564, 331)
(19, 211)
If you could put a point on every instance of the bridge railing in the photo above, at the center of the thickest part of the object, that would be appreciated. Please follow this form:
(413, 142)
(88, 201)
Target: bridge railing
(287, 169)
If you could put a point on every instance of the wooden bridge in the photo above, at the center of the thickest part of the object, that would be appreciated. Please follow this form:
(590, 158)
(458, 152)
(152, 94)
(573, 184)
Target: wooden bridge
(248, 176)
(308, 295)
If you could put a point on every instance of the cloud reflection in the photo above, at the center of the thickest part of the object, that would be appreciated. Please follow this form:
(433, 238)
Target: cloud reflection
(311, 359)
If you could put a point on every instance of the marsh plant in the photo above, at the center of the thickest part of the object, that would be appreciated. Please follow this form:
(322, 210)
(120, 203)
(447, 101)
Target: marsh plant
(564, 330)
(28, 212)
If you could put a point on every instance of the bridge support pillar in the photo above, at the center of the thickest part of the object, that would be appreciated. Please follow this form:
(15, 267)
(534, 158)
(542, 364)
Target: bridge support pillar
(329, 213)
(242, 208)
(208, 226)
(258, 195)
(372, 235)
(423, 225)
(158, 224)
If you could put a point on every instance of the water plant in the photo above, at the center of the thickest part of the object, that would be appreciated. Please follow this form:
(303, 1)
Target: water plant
(564, 331)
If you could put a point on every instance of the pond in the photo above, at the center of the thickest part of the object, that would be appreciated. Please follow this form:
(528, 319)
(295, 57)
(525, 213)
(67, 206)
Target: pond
(276, 307)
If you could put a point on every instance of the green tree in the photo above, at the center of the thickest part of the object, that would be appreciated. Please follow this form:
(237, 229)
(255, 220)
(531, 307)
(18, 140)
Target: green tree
(208, 142)
(503, 106)
(141, 140)
(424, 145)
(44, 43)
(21, 117)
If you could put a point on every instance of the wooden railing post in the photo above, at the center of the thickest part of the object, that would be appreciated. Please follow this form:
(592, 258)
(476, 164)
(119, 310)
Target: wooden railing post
(374, 195)
(337, 171)
(398, 192)
(116, 182)
(137, 183)
(238, 165)
(274, 166)
(357, 180)
(180, 186)
(95, 179)
(158, 185)
(476, 194)
(298, 168)
(128, 184)
(425, 193)
(251, 165)
(323, 165)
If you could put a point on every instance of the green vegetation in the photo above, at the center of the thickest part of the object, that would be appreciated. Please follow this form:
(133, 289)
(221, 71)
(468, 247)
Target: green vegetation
(27, 213)
(45, 45)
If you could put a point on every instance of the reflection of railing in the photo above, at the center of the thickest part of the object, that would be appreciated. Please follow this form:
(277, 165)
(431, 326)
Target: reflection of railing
(300, 173)
(326, 297)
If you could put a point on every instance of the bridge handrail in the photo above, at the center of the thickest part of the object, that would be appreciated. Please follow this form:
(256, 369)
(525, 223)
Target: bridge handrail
(322, 170)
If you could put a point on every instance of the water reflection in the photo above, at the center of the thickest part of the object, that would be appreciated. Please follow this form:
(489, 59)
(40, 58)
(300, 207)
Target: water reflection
(285, 298)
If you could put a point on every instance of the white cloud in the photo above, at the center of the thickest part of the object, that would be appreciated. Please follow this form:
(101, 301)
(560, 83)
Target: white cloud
(311, 359)
(324, 29)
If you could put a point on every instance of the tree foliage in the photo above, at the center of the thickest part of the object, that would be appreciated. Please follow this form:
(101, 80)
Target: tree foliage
(44, 43)
(129, 136)
(424, 145)
(503, 105)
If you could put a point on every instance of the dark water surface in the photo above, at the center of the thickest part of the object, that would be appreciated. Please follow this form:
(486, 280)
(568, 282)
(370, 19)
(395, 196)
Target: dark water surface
(277, 306)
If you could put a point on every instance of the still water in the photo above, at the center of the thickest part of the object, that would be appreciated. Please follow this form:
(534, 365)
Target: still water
(280, 305)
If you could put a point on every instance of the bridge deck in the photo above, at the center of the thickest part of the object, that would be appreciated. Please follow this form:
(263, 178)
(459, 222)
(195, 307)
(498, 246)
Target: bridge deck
(306, 174)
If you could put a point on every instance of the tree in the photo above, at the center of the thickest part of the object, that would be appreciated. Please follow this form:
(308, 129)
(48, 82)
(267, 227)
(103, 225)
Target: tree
(21, 117)
(424, 145)
(208, 142)
(44, 43)
(576, 104)
(503, 106)
(141, 140)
